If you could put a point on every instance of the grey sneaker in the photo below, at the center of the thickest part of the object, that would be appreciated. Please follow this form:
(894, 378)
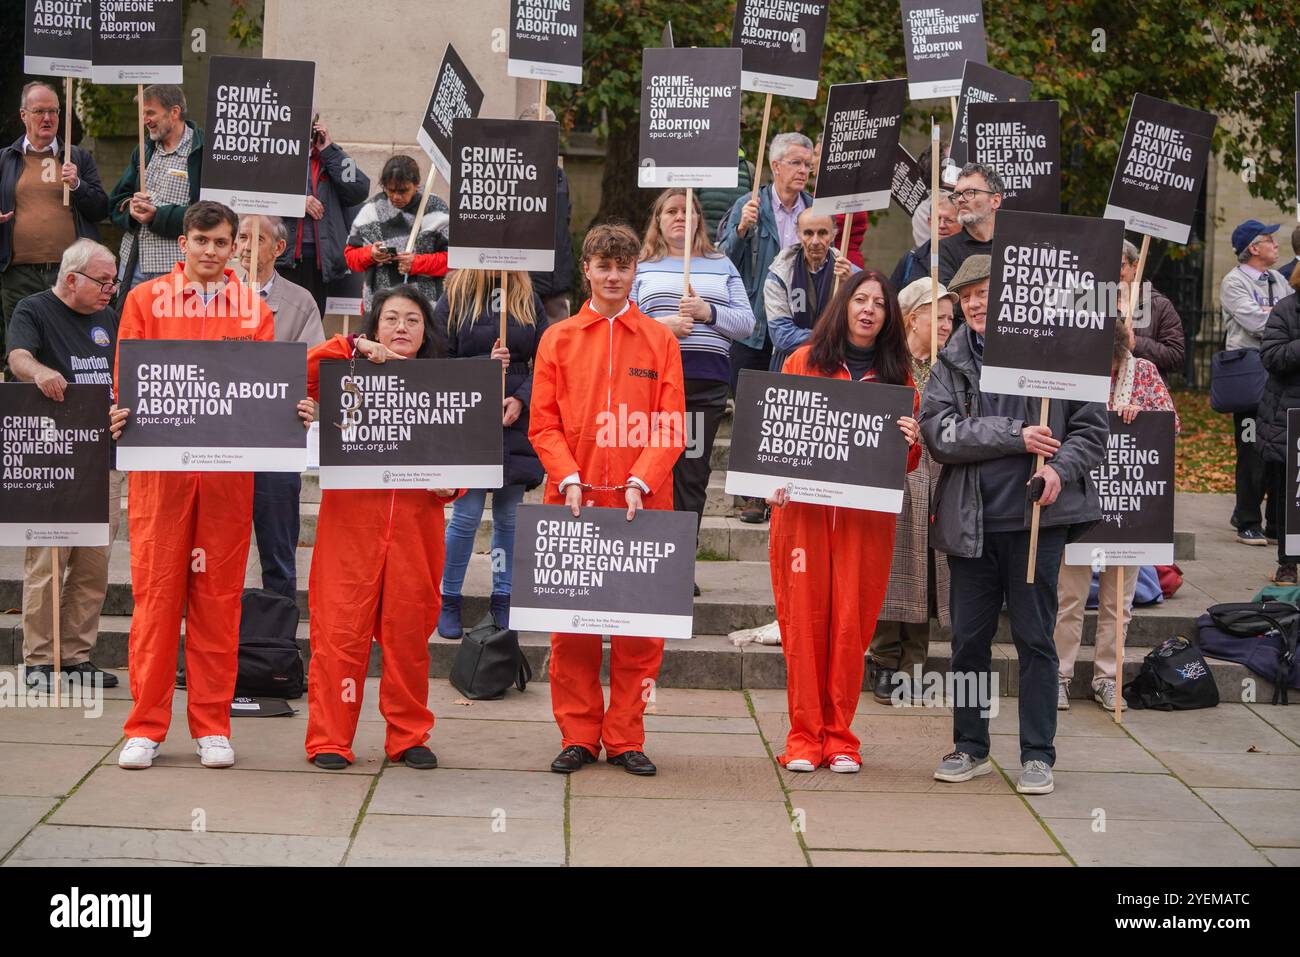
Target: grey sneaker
(960, 766)
(1104, 693)
(1062, 694)
(1035, 778)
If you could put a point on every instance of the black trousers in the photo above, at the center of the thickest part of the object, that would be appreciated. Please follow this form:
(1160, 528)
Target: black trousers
(706, 401)
(1275, 480)
(275, 524)
(745, 357)
(1252, 487)
(979, 586)
(307, 274)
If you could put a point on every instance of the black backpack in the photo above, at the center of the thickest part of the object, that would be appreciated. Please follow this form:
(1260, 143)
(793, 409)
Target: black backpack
(1258, 634)
(270, 665)
(488, 662)
(1174, 677)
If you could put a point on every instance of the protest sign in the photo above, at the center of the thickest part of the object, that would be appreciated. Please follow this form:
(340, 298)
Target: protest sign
(1161, 166)
(982, 84)
(859, 146)
(1135, 484)
(258, 148)
(58, 38)
(828, 441)
(212, 406)
(546, 40)
(910, 184)
(690, 117)
(1051, 306)
(137, 41)
(503, 183)
(455, 95)
(1022, 142)
(416, 424)
(781, 42)
(600, 574)
(56, 455)
(939, 37)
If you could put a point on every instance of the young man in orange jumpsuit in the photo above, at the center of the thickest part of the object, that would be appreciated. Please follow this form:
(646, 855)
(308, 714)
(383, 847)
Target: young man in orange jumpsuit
(190, 530)
(830, 565)
(610, 360)
(375, 573)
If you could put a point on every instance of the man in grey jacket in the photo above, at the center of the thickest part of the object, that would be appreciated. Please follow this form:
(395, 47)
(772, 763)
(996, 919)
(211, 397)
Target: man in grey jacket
(981, 521)
(800, 283)
(1247, 295)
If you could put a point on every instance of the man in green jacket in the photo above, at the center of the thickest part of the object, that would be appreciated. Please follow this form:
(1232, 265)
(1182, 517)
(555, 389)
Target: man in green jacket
(152, 216)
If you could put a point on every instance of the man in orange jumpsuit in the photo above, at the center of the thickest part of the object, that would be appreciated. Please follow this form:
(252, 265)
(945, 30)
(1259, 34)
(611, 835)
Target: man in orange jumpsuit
(189, 530)
(610, 362)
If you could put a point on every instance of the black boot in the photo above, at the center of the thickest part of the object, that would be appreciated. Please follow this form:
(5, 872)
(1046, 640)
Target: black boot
(499, 606)
(449, 625)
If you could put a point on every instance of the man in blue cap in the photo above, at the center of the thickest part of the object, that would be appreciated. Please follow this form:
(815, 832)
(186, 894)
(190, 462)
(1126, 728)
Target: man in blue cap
(1247, 295)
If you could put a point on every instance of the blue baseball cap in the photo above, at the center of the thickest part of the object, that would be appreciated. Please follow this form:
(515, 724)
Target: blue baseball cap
(1248, 232)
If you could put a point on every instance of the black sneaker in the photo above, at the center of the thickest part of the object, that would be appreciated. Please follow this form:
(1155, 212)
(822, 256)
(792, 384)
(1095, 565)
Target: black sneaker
(755, 512)
(91, 676)
(883, 688)
(1251, 536)
(330, 761)
(420, 758)
(38, 676)
(1285, 574)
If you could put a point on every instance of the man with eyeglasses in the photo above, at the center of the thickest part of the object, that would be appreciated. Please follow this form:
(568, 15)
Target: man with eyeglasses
(68, 335)
(35, 227)
(977, 195)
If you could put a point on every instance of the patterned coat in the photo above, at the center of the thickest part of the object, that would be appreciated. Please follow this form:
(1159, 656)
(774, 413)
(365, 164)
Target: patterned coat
(907, 598)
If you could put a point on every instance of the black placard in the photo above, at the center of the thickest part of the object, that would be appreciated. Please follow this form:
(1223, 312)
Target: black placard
(860, 145)
(781, 42)
(939, 36)
(1291, 462)
(828, 441)
(258, 149)
(455, 95)
(418, 423)
(1160, 167)
(600, 574)
(910, 184)
(54, 461)
(690, 117)
(137, 41)
(1022, 141)
(212, 406)
(546, 40)
(503, 181)
(1052, 306)
(58, 37)
(1135, 485)
(982, 84)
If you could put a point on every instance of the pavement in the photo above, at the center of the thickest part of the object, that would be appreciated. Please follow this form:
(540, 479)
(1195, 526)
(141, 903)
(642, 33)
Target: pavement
(1194, 789)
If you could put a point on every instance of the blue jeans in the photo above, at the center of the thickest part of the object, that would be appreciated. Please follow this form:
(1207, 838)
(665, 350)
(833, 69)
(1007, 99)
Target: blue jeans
(466, 512)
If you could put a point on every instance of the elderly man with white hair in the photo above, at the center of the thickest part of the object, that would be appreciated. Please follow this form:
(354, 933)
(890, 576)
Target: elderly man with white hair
(754, 233)
(64, 335)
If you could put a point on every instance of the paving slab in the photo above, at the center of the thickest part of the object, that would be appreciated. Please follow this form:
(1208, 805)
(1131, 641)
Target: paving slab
(231, 800)
(43, 770)
(1217, 770)
(453, 792)
(100, 725)
(497, 745)
(669, 744)
(1133, 797)
(1227, 728)
(1282, 856)
(1154, 843)
(698, 702)
(1079, 721)
(1285, 719)
(392, 840)
(933, 859)
(18, 815)
(1081, 753)
(1263, 817)
(685, 778)
(60, 845)
(961, 820)
(889, 766)
(647, 832)
(700, 725)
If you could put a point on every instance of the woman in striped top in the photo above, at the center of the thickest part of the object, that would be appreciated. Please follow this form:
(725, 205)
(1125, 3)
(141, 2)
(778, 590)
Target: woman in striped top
(706, 318)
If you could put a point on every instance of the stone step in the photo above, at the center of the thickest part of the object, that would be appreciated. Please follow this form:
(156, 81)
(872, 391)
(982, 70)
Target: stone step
(706, 661)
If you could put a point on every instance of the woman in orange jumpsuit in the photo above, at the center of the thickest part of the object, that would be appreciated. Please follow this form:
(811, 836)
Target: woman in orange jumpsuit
(375, 572)
(830, 565)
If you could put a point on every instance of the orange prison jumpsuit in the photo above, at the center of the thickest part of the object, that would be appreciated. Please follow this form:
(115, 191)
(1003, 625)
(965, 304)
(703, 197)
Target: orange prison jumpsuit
(174, 514)
(375, 573)
(585, 366)
(827, 599)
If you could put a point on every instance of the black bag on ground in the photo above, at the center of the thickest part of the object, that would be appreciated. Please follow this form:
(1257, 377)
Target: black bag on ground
(1174, 677)
(488, 662)
(270, 665)
(1258, 634)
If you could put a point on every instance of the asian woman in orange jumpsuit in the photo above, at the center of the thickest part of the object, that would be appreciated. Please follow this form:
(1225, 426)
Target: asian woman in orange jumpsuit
(830, 565)
(375, 572)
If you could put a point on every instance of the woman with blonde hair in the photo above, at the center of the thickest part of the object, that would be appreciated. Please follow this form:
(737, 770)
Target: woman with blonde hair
(706, 319)
(469, 314)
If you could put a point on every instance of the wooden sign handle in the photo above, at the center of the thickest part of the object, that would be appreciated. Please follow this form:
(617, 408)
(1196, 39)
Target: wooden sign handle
(1135, 288)
(690, 241)
(934, 240)
(1038, 509)
(1119, 644)
(541, 101)
(139, 99)
(254, 241)
(844, 252)
(762, 145)
(67, 134)
(419, 212)
(505, 300)
(56, 679)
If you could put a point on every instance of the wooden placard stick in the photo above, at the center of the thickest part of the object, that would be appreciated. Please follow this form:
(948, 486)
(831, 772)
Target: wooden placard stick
(67, 134)
(1119, 644)
(844, 250)
(139, 100)
(419, 212)
(56, 678)
(1038, 509)
(254, 241)
(541, 101)
(690, 241)
(762, 145)
(1135, 288)
(934, 240)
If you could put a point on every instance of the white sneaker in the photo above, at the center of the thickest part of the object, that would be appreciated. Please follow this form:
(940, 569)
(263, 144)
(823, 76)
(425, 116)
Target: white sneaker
(215, 751)
(800, 764)
(1105, 694)
(843, 764)
(1062, 694)
(138, 753)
